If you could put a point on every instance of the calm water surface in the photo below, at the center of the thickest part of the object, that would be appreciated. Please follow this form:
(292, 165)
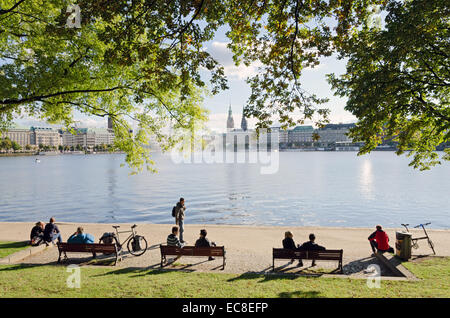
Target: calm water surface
(310, 188)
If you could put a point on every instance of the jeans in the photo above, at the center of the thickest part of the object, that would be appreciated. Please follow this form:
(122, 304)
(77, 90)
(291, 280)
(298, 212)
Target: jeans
(181, 225)
(57, 236)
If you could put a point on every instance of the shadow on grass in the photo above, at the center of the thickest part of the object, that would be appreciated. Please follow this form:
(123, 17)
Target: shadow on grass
(266, 277)
(139, 271)
(16, 267)
(300, 294)
(5, 245)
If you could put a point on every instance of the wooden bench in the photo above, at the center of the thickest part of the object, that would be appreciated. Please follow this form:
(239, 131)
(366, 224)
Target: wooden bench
(216, 251)
(87, 248)
(325, 255)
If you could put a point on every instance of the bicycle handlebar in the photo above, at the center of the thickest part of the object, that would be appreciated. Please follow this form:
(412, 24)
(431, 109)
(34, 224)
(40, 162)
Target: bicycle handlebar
(417, 226)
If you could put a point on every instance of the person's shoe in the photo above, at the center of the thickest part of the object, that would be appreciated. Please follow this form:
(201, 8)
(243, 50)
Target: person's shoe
(211, 258)
(291, 261)
(300, 264)
(183, 241)
(313, 263)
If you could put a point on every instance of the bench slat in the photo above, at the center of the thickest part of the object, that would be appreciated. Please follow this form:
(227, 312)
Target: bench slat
(282, 253)
(192, 251)
(94, 247)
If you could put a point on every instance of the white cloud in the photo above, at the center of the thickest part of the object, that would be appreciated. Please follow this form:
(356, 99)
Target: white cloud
(223, 54)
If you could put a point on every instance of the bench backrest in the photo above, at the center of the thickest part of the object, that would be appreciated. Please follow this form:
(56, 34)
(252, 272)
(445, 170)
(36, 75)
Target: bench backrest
(95, 247)
(192, 250)
(296, 254)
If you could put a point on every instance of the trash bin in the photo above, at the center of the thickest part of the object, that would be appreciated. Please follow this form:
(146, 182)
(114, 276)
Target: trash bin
(403, 245)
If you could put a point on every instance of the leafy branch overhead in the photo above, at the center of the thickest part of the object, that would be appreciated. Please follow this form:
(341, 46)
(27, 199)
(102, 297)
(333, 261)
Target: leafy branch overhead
(145, 62)
(398, 80)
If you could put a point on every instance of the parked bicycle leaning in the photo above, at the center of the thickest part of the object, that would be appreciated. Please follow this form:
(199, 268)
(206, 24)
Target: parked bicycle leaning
(136, 244)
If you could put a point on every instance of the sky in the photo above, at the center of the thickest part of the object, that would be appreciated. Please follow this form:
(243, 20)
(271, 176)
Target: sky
(313, 80)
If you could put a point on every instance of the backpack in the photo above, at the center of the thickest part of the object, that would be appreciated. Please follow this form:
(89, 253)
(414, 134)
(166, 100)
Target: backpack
(107, 238)
(174, 211)
(136, 243)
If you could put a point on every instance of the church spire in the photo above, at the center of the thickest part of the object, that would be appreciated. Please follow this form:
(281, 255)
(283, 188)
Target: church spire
(243, 121)
(230, 120)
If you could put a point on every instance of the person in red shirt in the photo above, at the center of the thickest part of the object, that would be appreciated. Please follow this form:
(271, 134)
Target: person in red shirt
(379, 241)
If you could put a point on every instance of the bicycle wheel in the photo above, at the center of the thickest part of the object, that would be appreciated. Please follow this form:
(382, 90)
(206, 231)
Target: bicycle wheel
(114, 241)
(139, 252)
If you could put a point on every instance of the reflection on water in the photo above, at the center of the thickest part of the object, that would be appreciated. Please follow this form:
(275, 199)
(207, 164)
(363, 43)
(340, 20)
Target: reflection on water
(316, 188)
(366, 179)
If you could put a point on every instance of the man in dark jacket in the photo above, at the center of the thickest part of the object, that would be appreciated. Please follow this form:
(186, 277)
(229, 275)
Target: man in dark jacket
(204, 242)
(312, 246)
(51, 232)
(379, 241)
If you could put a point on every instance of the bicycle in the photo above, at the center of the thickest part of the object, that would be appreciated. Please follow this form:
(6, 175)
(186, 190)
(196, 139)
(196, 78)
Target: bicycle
(414, 243)
(132, 239)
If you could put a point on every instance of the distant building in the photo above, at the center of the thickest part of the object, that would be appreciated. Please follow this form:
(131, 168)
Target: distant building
(230, 120)
(45, 136)
(243, 122)
(110, 123)
(88, 137)
(301, 134)
(282, 134)
(333, 133)
(22, 136)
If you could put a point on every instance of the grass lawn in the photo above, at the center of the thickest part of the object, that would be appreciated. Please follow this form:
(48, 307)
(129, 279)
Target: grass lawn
(26, 281)
(7, 248)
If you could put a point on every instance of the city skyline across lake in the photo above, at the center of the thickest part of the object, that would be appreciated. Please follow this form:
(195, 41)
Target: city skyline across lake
(310, 189)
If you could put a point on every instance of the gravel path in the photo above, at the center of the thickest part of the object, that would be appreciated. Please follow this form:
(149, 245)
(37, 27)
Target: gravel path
(248, 248)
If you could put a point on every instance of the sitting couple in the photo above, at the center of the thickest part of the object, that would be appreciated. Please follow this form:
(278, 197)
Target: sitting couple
(47, 233)
(172, 240)
(288, 243)
(41, 233)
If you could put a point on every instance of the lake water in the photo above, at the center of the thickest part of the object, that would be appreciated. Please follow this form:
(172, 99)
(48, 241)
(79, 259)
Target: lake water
(309, 188)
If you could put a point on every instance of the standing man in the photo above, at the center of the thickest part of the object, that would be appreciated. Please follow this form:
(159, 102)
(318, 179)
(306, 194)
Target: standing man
(179, 217)
(51, 232)
(379, 241)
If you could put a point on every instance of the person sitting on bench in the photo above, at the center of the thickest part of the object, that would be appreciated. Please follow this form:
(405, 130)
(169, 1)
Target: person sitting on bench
(311, 246)
(79, 237)
(172, 239)
(288, 243)
(204, 242)
(379, 241)
(51, 232)
(37, 234)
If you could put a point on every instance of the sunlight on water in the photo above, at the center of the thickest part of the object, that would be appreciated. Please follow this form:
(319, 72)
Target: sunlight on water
(315, 188)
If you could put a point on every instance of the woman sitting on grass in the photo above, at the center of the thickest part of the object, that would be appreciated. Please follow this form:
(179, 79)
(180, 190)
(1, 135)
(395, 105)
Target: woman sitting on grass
(37, 234)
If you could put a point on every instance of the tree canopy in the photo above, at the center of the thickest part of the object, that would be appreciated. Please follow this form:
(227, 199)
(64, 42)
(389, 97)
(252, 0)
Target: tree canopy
(145, 61)
(398, 80)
